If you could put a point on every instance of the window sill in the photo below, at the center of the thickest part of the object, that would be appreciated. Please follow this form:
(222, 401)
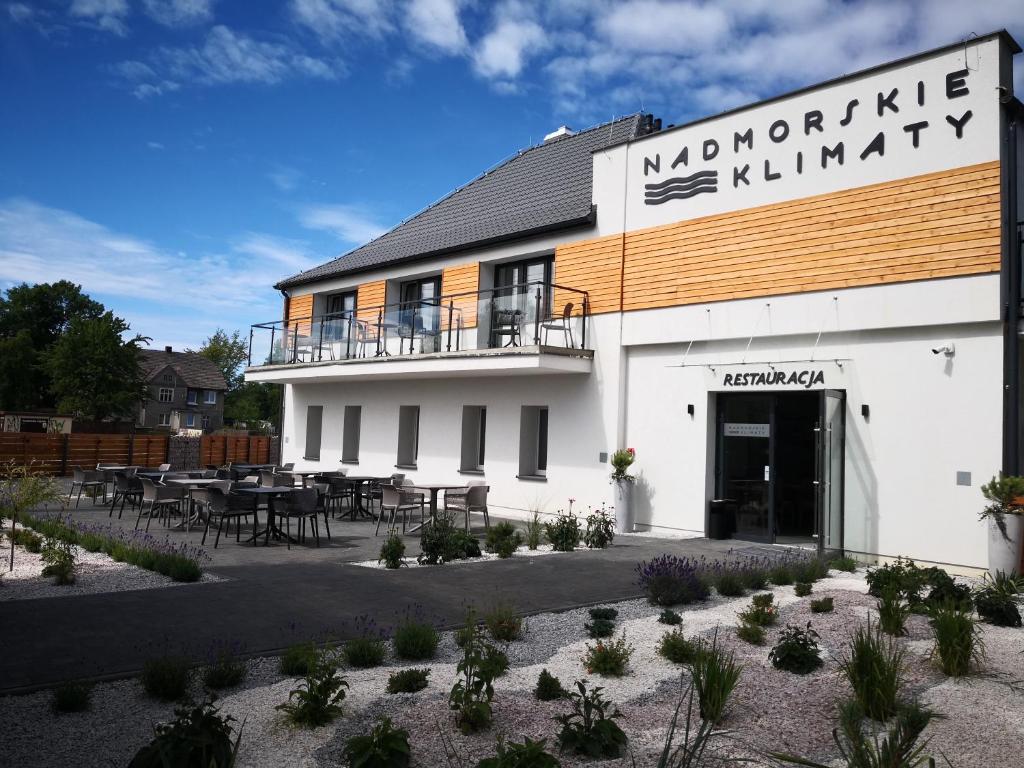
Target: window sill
(349, 461)
(471, 472)
(533, 478)
(311, 458)
(405, 466)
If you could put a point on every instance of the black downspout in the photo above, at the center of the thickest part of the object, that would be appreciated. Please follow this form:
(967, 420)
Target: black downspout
(280, 410)
(1011, 292)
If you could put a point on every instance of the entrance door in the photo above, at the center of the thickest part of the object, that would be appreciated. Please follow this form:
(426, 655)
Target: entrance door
(830, 437)
(744, 463)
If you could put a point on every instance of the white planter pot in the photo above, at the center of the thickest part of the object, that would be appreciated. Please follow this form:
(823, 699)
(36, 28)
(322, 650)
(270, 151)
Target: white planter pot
(1003, 555)
(623, 506)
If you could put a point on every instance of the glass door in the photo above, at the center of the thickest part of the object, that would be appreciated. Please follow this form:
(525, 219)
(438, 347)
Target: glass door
(830, 434)
(420, 311)
(744, 462)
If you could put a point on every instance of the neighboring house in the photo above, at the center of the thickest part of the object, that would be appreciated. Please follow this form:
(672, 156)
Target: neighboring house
(186, 391)
(807, 306)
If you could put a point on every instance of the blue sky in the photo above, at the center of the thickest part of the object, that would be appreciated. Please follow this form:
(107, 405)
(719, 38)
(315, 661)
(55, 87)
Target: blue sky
(176, 157)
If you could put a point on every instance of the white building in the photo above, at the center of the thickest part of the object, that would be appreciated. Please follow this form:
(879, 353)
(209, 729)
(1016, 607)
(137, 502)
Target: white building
(808, 305)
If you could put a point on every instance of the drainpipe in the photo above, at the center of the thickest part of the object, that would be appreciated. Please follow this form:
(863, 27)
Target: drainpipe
(1011, 290)
(280, 411)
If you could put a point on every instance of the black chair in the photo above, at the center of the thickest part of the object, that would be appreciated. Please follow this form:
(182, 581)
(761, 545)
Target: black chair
(84, 479)
(227, 507)
(302, 505)
(162, 499)
(395, 501)
(127, 488)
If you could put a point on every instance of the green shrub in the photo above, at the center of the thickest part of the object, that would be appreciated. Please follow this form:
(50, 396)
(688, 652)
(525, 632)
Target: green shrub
(715, 675)
(761, 612)
(874, 668)
(846, 564)
(548, 687)
(444, 541)
(754, 578)
(671, 580)
(297, 660)
(781, 575)
(199, 736)
(317, 700)
(590, 729)
(167, 678)
(408, 680)
(763, 600)
(503, 539)
(415, 640)
(495, 663)
(609, 614)
(750, 633)
(32, 542)
(796, 651)
(563, 532)
(600, 529)
(392, 551)
(996, 600)
(822, 605)
(473, 692)
(383, 747)
(534, 531)
(802, 589)
(59, 558)
(226, 670)
(608, 659)
(670, 617)
(677, 648)
(364, 652)
(599, 628)
(893, 612)
(529, 754)
(958, 644)
(809, 570)
(730, 584)
(503, 623)
(921, 588)
(71, 696)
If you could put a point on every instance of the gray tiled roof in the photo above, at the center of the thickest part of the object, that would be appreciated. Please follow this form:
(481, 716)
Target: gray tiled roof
(544, 187)
(195, 370)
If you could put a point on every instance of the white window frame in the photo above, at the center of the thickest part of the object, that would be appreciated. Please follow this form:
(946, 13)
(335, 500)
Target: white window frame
(192, 397)
(190, 420)
(211, 397)
(165, 395)
(164, 419)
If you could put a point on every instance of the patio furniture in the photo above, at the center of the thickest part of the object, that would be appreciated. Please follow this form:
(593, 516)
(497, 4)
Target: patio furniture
(472, 498)
(302, 504)
(84, 479)
(395, 500)
(164, 468)
(562, 324)
(288, 467)
(127, 488)
(507, 322)
(160, 497)
(226, 507)
(270, 493)
(372, 492)
(267, 479)
(339, 491)
(433, 489)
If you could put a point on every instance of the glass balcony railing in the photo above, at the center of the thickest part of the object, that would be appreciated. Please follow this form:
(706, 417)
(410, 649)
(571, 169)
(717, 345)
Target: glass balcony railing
(528, 315)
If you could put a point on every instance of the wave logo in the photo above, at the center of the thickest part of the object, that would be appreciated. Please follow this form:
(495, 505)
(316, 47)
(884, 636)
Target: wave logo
(681, 187)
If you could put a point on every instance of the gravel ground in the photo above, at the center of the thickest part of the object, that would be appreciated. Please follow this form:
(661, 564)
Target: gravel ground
(770, 710)
(95, 573)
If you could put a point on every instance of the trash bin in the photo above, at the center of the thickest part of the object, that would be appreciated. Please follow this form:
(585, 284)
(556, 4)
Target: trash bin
(721, 518)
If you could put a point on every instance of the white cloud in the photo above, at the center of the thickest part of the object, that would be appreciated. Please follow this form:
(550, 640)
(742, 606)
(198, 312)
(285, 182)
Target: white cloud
(436, 23)
(348, 223)
(503, 52)
(107, 15)
(155, 145)
(291, 254)
(19, 12)
(655, 26)
(177, 13)
(334, 19)
(285, 178)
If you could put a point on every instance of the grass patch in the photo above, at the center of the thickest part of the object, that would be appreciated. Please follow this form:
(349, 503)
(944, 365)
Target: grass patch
(167, 678)
(71, 696)
(822, 605)
(415, 640)
(364, 652)
(958, 645)
(874, 669)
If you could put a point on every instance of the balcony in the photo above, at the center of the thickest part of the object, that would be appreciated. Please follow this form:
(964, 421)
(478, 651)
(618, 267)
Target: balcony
(532, 328)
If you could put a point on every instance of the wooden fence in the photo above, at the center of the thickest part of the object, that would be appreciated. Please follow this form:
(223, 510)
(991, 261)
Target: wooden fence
(59, 454)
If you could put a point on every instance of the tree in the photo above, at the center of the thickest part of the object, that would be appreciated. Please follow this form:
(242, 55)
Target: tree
(252, 402)
(228, 353)
(94, 372)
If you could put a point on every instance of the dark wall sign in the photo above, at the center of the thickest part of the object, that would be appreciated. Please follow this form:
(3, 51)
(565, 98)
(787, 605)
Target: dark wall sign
(806, 378)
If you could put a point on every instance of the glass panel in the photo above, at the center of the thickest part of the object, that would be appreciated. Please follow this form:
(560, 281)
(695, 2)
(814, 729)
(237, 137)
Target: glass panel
(831, 460)
(745, 438)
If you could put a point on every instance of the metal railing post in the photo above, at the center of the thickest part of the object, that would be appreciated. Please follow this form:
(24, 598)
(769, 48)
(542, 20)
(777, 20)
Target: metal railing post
(272, 329)
(536, 321)
(249, 358)
(451, 309)
(412, 330)
(586, 315)
(295, 343)
(348, 337)
(380, 329)
(320, 342)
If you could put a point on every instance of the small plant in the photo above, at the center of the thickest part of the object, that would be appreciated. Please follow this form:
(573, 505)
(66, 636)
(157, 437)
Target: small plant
(761, 612)
(922, 588)
(534, 531)
(600, 529)
(670, 580)
(444, 541)
(874, 668)
(696, 738)
(495, 664)
(845, 563)
(996, 600)
(802, 589)
(31, 541)
(621, 461)
(503, 623)
(893, 612)
(503, 539)
(59, 558)
(763, 600)
(226, 669)
(809, 570)
(1002, 493)
(199, 736)
(822, 605)
(670, 617)
(549, 687)
(383, 747)
(958, 644)
(408, 680)
(564, 531)
(608, 659)
(415, 639)
(600, 628)
(317, 700)
(730, 583)
(750, 633)
(590, 729)
(677, 648)
(392, 551)
(297, 659)
(364, 652)
(471, 695)
(754, 577)
(71, 696)
(715, 675)
(529, 754)
(604, 613)
(796, 651)
(167, 678)
(781, 575)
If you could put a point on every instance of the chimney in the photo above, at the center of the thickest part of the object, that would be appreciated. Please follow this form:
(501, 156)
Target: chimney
(559, 133)
(168, 349)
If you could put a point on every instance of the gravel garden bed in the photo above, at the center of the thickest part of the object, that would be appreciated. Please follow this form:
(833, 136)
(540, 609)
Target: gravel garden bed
(411, 562)
(769, 710)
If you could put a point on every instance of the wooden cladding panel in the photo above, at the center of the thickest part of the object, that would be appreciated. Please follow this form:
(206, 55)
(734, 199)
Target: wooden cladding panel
(463, 279)
(300, 309)
(369, 299)
(936, 225)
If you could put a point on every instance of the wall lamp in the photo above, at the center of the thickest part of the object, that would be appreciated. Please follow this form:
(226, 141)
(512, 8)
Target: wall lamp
(689, 409)
(865, 411)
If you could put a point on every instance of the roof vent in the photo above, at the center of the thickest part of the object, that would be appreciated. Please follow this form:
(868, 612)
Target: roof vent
(168, 350)
(558, 133)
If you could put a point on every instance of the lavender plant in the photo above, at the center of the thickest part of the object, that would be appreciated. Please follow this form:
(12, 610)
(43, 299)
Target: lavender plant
(671, 580)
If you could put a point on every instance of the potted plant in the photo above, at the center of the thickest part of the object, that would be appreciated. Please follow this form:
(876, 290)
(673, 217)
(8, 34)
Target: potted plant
(1005, 516)
(622, 460)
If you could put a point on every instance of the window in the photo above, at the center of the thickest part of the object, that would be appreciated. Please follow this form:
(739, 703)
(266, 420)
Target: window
(192, 397)
(350, 434)
(206, 422)
(474, 433)
(420, 310)
(533, 441)
(341, 309)
(408, 435)
(164, 420)
(166, 395)
(314, 424)
(168, 378)
(520, 281)
(211, 397)
(190, 420)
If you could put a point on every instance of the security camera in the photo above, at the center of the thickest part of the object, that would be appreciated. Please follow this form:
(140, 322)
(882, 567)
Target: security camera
(946, 349)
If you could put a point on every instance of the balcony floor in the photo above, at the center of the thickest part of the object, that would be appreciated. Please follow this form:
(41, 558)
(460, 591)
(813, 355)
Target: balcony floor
(504, 361)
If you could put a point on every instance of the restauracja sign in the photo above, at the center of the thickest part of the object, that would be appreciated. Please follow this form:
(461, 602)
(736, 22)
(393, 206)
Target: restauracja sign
(806, 378)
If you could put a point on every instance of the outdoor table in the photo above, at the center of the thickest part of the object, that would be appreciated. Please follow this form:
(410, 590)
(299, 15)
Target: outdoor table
(272, 527)
(152, 475)
(251, 467)
(191, 483)
(433, 488)
(382, 337)
(357, 482)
